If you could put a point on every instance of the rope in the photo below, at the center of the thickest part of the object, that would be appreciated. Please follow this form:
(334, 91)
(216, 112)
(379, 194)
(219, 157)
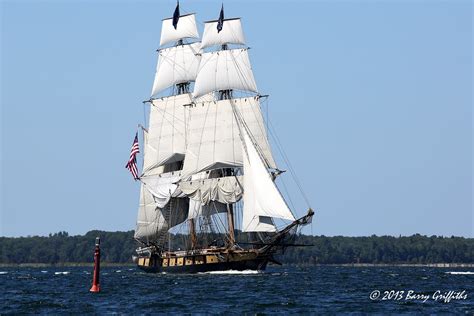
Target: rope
(287, 161)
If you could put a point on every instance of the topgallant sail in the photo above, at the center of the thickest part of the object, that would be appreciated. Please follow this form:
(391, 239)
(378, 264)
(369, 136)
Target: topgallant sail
(208, 200)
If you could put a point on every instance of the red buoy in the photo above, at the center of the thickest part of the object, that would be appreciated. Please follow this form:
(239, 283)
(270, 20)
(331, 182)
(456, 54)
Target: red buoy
(95, 279)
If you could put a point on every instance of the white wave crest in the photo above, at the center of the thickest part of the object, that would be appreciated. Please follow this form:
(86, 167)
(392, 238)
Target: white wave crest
(460, 272)
(62, 272)
(3, 272)
(232, 272)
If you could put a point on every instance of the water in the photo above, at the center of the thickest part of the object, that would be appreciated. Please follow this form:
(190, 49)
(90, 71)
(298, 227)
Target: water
(278, 290)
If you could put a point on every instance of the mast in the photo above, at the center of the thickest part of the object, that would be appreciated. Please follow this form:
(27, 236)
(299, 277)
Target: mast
(230, 220)
(162, 205)
(192, 232)
(227, 93)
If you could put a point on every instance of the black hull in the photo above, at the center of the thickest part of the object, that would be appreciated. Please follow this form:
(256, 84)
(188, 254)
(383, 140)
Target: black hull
(223, 259)
(258, 264)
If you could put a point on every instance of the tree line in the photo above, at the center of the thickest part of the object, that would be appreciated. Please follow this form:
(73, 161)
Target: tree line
(118, 247)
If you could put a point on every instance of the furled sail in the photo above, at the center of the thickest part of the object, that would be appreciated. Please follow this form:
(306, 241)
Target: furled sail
(231, 33)
(262, 200)
(176, 65)
(153, 221)
(186, 28)
(214, 140)
(166, 133)
(226, 190)
(163, 187)
(224, 70)
(198, 206)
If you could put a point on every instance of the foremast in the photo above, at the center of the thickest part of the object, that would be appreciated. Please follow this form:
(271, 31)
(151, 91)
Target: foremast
(162, 204)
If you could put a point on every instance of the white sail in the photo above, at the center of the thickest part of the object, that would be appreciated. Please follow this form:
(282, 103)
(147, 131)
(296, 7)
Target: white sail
(166, 133)
(197, 206)
(224, 70)
(227, 190)
(153, 221)
(186, 28)
(259, 224)
(148, 219)
(175, 65)
(214, 140)
(198, 209)
(163, 187)
(231, 33)
(261, 197)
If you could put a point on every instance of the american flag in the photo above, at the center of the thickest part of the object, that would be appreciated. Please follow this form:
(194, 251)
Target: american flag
(132, 161)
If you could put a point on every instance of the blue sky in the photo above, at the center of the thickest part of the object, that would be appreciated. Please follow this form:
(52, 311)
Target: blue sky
(372, 101)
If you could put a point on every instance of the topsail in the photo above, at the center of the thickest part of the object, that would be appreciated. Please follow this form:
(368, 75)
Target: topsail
(232, 33)
(224, 70)
(186, 28)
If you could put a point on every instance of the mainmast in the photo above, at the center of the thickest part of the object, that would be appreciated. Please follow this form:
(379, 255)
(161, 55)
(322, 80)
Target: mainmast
(217, 150)
(192, 233)
(230, 221)
(227, 93)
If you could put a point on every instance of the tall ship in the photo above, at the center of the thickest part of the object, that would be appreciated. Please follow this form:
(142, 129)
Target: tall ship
(208, 198)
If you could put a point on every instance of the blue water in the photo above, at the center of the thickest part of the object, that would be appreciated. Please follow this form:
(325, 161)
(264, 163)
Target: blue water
(278, 290)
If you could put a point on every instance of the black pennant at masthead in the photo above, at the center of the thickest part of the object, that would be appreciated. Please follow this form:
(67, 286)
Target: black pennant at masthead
(220, 22)
(176, 16)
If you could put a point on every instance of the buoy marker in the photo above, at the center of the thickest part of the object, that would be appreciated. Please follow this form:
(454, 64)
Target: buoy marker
(95, 279)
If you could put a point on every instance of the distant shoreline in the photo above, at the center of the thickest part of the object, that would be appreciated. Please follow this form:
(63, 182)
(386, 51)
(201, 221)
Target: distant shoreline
(355, 265)
(372, 251)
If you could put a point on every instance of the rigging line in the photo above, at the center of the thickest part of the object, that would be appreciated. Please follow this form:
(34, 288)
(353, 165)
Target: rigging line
(214, 207)
(214, 138)
(260, 156)
(172, 124)
(233, 138)
(164, 111)
(267, 116)
(245, 126)
(243, 80)
(169, 223)
(200, 140)
(236, 218)
(256, 110)
(186, 114)
(285, 158)
(144, 147)
(165, 118)
(172, 61)
(144, 114)
(242, 122)
(240, 73)
(287, 193)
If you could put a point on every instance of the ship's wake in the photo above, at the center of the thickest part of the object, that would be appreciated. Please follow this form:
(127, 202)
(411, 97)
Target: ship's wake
(232, 272)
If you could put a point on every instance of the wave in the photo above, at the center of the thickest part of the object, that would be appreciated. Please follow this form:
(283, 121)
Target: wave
(460, 272)
(3, 272)
(62, 272)
(232, 272)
